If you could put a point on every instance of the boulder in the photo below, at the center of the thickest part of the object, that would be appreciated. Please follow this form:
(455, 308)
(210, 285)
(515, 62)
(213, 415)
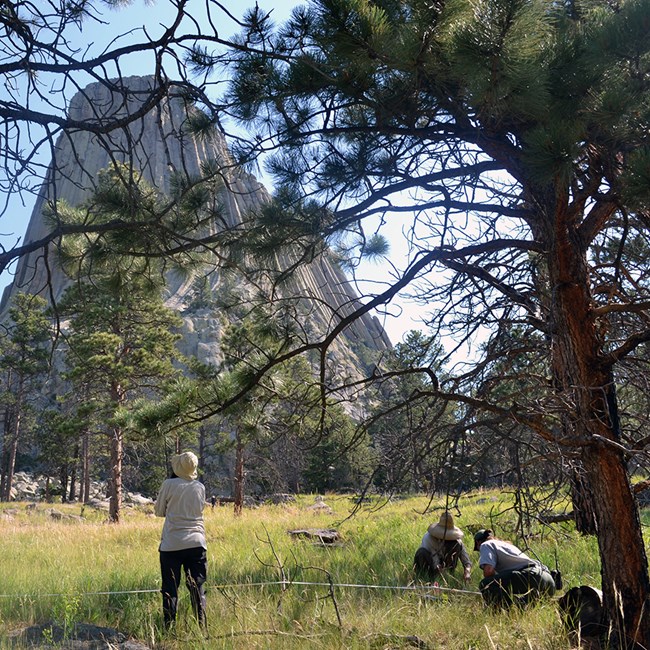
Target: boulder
(82, 636)
(139, 500)
(320, 507)
(325, 536)
(99, 504)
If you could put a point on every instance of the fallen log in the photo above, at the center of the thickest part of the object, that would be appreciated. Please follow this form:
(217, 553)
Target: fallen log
(556, 519)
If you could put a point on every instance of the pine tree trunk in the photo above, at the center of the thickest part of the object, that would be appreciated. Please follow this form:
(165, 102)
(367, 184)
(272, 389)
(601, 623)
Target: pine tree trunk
(15, 420)
(593, 421)
(73, 474)
(82, 471)
(118, 397)
(624, 568)
(85, 445)
(239, 477)
(116, 445)
(63, 479)
(11, 461)
(4, 452)
(583, 511)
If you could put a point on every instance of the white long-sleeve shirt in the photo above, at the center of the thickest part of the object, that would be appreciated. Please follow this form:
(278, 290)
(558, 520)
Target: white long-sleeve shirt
(439, 551)
(181, 503)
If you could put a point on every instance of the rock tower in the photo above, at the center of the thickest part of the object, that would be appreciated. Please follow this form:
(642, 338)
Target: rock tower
(156, 145)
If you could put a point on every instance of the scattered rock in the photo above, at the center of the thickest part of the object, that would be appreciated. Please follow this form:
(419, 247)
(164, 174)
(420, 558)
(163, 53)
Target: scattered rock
(26, 487)
(483, 500)
(325, 536)
(99, 504)
(320, 506)
(249, 501)
(57, 515)
(138, 499)
(80, 637)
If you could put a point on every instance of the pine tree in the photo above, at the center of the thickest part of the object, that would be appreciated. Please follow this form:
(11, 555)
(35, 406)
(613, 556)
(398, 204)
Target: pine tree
(415, 430)
(24, 361)
(514, 133)
(260, 335)
(120, 336)
(120, 345)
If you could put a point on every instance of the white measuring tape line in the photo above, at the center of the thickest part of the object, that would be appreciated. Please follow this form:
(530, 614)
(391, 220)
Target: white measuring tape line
(288, 583)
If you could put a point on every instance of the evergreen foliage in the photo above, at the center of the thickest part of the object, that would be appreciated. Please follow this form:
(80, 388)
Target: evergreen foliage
(120, 338)
(506, 139)
(24, 361)
(120, 346)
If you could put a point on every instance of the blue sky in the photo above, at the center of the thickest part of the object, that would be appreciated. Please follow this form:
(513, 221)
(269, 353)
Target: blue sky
(127, 23)
(114, 28)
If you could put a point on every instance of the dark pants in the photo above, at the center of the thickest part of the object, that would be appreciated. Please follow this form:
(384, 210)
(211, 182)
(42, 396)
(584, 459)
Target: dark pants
(428, 567)
(517, 586)
(195, 563)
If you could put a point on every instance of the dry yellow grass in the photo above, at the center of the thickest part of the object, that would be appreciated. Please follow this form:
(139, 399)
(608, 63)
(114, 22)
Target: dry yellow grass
(85, 570)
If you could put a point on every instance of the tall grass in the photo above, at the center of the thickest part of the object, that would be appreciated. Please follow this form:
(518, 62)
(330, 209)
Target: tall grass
(73, 571)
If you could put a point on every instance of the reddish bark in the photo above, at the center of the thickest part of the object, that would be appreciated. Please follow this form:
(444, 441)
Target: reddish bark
(587, 382)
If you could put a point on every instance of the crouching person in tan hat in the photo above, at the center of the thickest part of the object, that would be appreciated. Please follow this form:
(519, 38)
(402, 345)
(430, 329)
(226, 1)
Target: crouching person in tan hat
(441, 548)
(180, 501)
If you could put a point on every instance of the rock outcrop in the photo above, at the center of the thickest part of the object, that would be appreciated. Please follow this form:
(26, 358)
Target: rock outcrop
(35, 488)
(158, 145)
(79, 636)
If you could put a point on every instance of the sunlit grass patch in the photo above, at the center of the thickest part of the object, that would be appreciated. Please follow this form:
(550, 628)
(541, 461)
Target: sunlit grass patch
(357, 594)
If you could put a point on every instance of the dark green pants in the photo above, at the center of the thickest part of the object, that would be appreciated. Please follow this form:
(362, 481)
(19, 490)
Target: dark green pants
(517, 586)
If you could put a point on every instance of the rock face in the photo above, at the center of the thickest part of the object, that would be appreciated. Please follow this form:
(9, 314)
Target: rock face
(27, 487)
(158, 147)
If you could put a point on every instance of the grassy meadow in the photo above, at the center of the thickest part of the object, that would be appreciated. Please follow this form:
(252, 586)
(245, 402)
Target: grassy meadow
(77, 570)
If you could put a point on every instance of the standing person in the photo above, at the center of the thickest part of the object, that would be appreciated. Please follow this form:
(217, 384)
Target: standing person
(509, 575)
(442, 548)
(180, 501)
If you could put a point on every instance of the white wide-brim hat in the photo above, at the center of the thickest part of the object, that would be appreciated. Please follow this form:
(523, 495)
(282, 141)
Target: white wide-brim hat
(185, 465)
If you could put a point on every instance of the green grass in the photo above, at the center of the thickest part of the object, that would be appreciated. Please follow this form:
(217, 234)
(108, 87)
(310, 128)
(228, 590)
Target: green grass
(51, 570)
